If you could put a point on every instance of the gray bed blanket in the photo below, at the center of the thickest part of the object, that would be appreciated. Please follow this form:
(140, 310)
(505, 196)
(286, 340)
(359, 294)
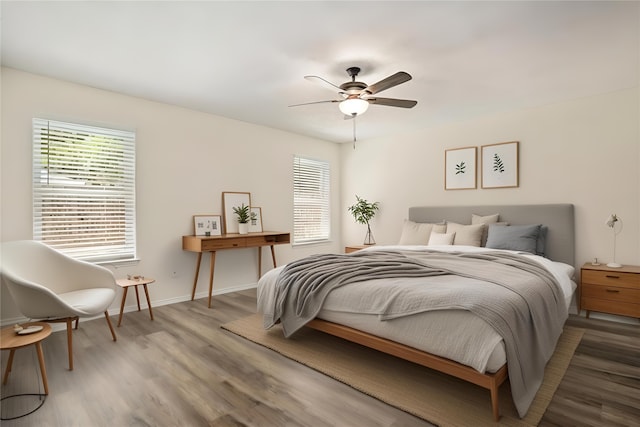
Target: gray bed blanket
(518, 297)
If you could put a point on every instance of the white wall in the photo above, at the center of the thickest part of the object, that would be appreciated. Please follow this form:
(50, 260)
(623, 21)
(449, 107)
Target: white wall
(585, 152)
(185, 160)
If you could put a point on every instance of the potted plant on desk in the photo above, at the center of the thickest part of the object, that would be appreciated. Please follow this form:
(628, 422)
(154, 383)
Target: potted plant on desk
(243, 216)
(363, 212)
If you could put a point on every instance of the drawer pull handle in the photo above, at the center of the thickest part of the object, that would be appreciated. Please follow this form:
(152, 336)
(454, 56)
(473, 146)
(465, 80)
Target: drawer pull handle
(614, 291)
(609, 276)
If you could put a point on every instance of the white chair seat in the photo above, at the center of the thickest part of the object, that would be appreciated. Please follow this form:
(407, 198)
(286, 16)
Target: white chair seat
(88, 302)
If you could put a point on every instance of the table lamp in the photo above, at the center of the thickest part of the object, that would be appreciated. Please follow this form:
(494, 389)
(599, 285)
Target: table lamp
(611, 222)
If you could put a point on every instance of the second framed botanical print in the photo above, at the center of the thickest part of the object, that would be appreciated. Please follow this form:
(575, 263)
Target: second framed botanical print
(500, 165)
(460, 168)
(255, 222)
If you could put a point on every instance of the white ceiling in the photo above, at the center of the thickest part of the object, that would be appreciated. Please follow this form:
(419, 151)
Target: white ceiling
(246, 60)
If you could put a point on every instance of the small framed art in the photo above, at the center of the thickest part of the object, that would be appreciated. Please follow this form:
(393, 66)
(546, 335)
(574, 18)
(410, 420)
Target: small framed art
(207, 225)
(500, 165)
(460, 168)
(232, 200)
(255, 222)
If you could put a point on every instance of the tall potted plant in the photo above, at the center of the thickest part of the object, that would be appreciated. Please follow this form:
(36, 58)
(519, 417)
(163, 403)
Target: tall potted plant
(243, 216)
(363, 212)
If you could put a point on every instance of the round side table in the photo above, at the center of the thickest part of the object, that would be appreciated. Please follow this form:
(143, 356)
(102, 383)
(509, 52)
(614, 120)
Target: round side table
(10, 340)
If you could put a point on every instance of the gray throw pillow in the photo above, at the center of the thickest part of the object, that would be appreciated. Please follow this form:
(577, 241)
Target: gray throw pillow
(514, 237)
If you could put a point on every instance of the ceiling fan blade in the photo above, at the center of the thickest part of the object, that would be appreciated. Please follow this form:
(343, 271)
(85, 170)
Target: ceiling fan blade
(392, 102)
(315, 102)
(324, 82)
(389, 82)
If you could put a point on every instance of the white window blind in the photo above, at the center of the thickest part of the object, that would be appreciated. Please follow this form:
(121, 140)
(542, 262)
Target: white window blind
(84, 190)
(310, 200)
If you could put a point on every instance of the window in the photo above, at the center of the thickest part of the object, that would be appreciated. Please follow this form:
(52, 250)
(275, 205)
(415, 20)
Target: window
(84, 190)
(310, 200)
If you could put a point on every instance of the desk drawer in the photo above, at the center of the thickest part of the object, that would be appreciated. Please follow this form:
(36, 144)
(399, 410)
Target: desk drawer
(611, 293)
(257, 241)
(609, 278)
(215, 244)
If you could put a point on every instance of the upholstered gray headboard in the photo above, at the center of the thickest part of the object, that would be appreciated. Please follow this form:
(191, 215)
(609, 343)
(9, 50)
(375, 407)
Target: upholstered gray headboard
(559, 219)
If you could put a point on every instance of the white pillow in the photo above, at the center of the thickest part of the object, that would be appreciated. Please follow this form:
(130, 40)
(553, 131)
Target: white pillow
(441, 238)
(469, 235)
(417, 233)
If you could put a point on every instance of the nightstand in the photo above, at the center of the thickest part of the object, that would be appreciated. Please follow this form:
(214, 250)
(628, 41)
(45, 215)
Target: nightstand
(610, 290)
(354, 248)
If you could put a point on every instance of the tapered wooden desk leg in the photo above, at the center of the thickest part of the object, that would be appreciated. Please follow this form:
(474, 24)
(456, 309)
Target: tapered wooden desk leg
(42, 368)
(259, 262)
(195, 279)
(124, 298)
(146, 292)
(273, 256)
(211, 268)
(9, 363)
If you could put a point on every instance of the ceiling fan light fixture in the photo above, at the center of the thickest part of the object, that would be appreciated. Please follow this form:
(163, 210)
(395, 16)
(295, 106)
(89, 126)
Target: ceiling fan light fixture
(353, 106)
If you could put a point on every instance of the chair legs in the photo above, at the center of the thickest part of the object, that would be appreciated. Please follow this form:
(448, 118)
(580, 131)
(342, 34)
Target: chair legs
(113, 333)
(69, 321)
(70, 340)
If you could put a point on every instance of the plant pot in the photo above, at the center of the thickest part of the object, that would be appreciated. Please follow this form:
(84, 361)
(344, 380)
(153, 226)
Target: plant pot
(243, 228)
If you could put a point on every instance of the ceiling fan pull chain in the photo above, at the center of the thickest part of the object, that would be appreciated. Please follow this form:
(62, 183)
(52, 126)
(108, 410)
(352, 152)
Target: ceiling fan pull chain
(354, 130)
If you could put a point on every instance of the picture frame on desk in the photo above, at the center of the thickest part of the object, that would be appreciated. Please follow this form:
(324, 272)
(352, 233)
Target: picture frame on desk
(207, 225)
(255, 223)
(232, 200)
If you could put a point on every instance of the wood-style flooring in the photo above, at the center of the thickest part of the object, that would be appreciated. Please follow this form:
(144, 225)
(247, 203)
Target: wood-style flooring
(182, 369)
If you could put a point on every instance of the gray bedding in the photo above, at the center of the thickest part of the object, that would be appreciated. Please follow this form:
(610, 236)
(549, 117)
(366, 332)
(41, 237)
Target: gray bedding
(519, 298)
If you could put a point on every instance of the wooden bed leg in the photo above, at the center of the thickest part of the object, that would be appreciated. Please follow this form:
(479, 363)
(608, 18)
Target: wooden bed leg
(495, 402)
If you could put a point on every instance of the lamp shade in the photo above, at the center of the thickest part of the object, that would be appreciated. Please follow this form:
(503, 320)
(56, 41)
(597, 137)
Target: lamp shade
(353, 106)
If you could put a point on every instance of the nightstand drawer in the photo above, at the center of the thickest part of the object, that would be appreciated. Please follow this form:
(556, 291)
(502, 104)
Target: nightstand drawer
(611, 293)
(610, 278)
(613, 307)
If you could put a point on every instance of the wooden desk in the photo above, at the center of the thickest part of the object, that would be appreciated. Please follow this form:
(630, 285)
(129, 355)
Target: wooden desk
(212, 244)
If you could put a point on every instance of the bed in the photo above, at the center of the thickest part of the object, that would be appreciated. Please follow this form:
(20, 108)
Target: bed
(521, 255)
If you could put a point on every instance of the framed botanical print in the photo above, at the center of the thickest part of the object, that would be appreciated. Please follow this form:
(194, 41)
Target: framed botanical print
(500, 165)
(207, 225)
(232, 200)
(460, 168)
(255, 221)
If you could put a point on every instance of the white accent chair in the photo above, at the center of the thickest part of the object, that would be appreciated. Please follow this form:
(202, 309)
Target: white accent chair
(50, 286)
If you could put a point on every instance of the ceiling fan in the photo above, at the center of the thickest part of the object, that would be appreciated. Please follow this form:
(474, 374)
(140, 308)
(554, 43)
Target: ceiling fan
(356, 96)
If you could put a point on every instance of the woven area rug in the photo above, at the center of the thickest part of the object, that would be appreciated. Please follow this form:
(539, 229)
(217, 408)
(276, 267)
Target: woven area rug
(427, 394)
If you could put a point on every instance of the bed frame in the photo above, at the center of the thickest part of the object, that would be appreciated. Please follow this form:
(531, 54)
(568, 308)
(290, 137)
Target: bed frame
(560, 246)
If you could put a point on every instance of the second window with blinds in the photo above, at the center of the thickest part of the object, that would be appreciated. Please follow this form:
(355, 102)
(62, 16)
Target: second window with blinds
(311, 195)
